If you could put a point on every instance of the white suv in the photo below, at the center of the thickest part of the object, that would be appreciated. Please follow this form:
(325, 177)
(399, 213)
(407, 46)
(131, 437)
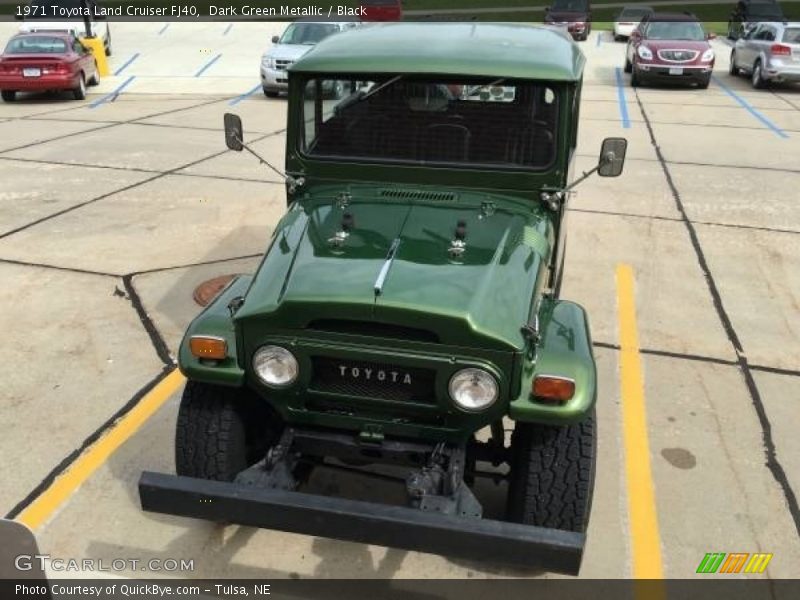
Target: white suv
(297, 39)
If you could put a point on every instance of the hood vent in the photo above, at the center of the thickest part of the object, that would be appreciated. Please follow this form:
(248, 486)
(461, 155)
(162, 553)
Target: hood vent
(401, 194)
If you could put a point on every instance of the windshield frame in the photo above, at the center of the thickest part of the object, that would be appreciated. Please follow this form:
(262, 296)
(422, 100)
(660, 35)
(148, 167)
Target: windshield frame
(299, 140)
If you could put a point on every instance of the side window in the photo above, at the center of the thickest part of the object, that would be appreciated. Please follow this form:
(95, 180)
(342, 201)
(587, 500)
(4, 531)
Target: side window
(769, 34)
(77, 47)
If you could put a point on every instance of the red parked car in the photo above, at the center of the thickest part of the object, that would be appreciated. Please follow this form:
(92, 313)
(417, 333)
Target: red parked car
(669, 48)
(382, 10)
(52, 61)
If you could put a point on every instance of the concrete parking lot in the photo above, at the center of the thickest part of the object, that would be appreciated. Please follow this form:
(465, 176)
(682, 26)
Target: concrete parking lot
(113, 209)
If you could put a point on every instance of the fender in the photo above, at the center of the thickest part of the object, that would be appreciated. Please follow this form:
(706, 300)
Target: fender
(215, 320)
(565, 350)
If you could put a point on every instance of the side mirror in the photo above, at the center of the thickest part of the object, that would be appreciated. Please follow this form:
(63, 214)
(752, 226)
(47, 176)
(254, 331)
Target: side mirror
(233, 132)
(612, 157)
(275, 39)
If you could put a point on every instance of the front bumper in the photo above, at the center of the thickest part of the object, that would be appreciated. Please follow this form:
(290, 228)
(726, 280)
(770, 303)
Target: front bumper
(668, 73)
(486, 540)
(274, 80)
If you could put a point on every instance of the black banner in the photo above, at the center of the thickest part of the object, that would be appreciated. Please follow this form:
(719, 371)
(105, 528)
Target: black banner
(602, 11)
(408, 589)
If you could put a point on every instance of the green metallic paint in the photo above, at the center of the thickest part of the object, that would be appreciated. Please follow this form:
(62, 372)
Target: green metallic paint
(492, 50)
(475, 306)
(215, 320)
(565, 350)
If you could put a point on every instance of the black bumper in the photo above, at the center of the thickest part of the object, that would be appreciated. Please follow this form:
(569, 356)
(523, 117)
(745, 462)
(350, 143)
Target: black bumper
(489, 541)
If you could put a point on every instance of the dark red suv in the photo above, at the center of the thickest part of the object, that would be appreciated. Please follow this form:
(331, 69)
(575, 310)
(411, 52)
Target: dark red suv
(670, 48)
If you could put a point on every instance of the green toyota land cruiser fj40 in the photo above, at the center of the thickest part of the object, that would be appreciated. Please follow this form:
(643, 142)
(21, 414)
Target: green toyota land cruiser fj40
(408, 300)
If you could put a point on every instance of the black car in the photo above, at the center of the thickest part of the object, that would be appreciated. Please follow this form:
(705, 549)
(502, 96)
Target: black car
(574, 15)
(750, 12)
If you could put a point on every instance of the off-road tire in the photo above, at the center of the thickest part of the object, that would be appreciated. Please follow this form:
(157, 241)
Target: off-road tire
(79, 93)
(8, 95)
(628, 66)
(221, 431)
(271, 93)
(756, 78)
(552, 475)
(733, 70)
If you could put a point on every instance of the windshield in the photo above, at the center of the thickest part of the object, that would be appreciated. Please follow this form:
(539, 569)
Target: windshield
(570, 5)
(307, 33)
(676, 30)
(498, 123)
(36, 44)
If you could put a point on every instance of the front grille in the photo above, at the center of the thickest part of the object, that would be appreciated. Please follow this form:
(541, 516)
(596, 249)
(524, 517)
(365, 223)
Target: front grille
(373, 380)
(678, 56)
(282, 65)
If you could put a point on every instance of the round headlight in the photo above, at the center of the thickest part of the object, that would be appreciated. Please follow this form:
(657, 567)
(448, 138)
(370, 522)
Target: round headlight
(275, 366)
(473, 389)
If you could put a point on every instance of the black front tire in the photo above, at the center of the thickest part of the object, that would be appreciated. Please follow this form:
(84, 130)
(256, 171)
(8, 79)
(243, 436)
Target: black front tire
(221, 431)
(552, 475)
(271, 93)
(704, 82)
(636, 80)
(628, 66)
(8, 95)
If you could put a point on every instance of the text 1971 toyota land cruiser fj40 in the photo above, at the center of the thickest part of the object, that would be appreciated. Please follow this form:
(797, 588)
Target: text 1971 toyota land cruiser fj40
(409, 299)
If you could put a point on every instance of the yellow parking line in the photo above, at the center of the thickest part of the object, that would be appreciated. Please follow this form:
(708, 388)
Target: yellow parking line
(95, 455)
(645, 537)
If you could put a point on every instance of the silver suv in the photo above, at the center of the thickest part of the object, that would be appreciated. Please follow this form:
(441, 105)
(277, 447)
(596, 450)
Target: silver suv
(297, 39)
(769, 52)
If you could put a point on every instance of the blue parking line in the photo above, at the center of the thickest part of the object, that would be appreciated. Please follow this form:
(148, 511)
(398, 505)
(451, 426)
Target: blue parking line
(238, 99)
(127, 64)
(599, 38)
(163, 29)
(623, 106)
(113, 95)
(207, 65)
(751, 109)
(227, 29)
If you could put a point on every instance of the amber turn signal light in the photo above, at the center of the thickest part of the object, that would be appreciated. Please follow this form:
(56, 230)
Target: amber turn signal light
(553, 390)
(203, 346)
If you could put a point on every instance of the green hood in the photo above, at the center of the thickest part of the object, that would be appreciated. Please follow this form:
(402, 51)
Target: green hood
(480, 300)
